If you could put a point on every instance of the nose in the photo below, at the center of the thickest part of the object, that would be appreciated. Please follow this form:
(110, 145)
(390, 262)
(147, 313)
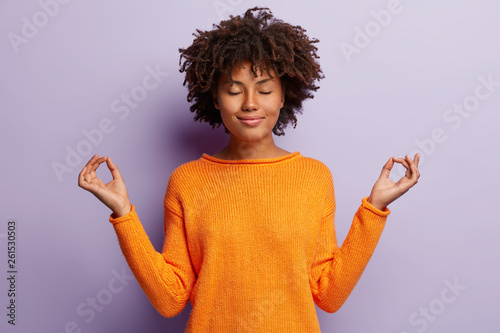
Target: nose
(250, 103)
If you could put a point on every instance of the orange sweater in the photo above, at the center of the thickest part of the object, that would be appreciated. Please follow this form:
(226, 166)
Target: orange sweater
(252, 245)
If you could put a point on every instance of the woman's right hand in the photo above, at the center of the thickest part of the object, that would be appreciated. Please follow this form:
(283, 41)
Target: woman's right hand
(113, 194)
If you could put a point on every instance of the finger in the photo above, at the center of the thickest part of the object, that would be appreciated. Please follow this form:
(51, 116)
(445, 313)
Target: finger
(114, 169)
(97, 163)
(417, 172)
(88, 178)
(417, 158)
(405, 164)
(414, 162)
(91, 161)
(414, 175)
(81, 178)
(386, 169)
(414, 171)
(402, 161)
(411, 180)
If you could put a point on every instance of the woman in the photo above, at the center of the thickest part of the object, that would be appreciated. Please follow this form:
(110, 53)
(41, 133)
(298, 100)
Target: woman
(249, 231)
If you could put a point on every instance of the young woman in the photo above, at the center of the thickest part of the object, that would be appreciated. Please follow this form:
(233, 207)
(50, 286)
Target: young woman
(249, 231)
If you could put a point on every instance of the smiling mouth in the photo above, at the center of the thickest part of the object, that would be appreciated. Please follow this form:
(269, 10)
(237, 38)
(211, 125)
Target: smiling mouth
(250, 118)
(251, 121)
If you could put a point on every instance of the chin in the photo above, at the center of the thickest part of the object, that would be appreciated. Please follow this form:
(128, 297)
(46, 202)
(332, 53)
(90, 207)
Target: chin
(251, 136)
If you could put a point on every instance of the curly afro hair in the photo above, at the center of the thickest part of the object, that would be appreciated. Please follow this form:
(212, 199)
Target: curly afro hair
(264, 41)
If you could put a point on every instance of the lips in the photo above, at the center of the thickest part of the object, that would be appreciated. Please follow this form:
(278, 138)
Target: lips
(251, 121)
(249, 118)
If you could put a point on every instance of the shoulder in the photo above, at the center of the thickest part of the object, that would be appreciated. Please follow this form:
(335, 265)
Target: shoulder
(315, 171)
(315, 165)
(181, 179)
(186, 171)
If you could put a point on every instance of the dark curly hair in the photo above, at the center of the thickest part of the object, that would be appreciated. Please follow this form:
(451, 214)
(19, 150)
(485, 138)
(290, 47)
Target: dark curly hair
(264, 41)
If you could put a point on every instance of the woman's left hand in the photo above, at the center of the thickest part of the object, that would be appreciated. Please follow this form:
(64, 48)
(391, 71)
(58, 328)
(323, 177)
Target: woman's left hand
(386, 191)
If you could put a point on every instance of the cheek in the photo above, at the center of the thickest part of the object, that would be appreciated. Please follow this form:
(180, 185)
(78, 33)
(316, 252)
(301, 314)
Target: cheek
(226, 110)
(273, 107)
(227, 104)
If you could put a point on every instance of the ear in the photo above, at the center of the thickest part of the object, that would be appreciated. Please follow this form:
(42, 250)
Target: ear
(282, 98)
(214, 97)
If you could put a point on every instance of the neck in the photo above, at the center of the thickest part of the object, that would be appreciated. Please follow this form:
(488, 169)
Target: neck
(237, 149)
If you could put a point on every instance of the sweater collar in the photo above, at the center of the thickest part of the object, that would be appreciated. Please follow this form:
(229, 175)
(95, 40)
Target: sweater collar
(278, 159)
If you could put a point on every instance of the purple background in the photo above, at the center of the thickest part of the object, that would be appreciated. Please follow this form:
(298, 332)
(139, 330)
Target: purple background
(386, 100)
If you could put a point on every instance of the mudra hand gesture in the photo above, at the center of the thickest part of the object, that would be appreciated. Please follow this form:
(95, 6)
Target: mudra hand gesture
(386, 191)
(114, 193)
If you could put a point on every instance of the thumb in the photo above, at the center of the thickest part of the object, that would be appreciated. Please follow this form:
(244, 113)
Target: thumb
(386, 169)
(114, 169)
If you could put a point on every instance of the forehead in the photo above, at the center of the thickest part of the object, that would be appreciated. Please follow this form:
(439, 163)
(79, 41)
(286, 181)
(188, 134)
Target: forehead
(243, 73)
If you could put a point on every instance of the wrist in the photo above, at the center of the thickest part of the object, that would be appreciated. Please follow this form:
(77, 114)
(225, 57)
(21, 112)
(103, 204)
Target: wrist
(122, 211)
(377, 205)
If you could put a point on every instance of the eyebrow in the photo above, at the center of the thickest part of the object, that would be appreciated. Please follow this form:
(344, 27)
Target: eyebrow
(241, 83)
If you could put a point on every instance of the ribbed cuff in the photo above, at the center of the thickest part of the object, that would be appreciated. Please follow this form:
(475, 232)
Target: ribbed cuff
(123, 218)
(374, 209)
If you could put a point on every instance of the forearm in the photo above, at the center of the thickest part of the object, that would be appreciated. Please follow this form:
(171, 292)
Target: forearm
(340, 275)
(158, 279)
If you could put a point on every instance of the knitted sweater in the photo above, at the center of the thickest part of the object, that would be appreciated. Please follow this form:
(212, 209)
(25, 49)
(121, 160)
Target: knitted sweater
(252, 244)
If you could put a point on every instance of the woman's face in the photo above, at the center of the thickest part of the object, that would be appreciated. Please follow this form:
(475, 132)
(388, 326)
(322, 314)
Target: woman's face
(251, 106)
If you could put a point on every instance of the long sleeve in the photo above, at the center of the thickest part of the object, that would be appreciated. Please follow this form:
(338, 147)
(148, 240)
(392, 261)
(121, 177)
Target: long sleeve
(336, 270)
(166, 278)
